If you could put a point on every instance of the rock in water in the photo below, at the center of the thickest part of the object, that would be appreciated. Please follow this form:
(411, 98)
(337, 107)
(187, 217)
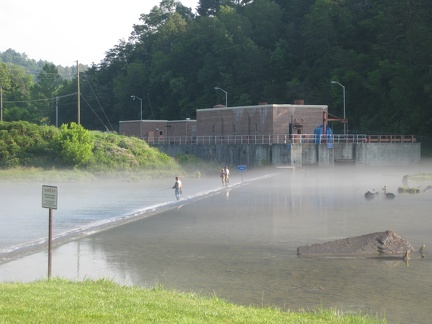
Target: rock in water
(369, 195)
(385, 243)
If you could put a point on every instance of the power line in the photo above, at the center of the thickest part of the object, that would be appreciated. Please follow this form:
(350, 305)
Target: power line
(97, 99)
(40, 100)
(95, 113)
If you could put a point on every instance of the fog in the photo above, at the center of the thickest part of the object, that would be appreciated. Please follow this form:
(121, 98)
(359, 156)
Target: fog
(240, 243)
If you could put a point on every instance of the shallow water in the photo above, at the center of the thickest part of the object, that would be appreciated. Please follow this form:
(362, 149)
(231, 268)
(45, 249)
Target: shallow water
(83, 207)
(240, 244)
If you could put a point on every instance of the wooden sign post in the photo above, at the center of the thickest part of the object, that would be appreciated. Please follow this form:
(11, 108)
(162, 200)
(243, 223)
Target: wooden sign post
(49, 200)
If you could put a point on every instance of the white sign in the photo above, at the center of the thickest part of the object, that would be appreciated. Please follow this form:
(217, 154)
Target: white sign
(49, 197)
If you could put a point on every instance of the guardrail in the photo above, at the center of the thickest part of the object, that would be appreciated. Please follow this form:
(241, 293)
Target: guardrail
(391, 139)
(279, 139)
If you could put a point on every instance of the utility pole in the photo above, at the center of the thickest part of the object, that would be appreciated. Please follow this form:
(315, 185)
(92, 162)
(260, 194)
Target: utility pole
(1, 103)
(79, 95)
(343, 94)
(57, 98)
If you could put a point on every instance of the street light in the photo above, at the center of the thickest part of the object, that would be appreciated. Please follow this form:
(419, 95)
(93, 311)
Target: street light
(133, 97)
(343, 89)
(226, 95)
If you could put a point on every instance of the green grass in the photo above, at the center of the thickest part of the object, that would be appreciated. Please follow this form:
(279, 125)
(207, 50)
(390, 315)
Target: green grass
(40, 174)
(102, 301)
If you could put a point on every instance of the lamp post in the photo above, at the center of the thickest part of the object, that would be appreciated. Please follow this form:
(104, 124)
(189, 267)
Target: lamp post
(343, 89)
(226, 95)
(133, 97)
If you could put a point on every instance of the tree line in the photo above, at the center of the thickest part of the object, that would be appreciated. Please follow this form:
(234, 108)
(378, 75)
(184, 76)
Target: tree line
(273, 51)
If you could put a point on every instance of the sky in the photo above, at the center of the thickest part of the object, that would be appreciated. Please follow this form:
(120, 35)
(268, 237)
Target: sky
(64, 32)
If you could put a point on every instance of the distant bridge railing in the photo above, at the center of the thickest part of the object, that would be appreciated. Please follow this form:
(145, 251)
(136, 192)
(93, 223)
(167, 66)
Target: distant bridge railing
(279, 139)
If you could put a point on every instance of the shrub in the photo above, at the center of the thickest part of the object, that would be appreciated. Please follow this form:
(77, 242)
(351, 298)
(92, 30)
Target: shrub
(20, 142)
(74, 144)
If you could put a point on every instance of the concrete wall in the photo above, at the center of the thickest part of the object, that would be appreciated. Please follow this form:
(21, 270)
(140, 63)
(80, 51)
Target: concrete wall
(381, 154)
(345, 151)
(250, 155)
(309, 153)
(323, 155)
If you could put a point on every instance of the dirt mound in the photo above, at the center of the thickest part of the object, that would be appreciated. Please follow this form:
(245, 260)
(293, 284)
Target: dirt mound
(379, 243)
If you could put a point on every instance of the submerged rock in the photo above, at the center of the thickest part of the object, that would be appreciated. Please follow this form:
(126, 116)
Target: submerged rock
(385, 243)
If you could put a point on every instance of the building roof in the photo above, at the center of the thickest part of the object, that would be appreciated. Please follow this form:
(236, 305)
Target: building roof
(265, 106)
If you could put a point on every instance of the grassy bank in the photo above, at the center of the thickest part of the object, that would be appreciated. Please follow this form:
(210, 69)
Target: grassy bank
(26, 145)
(62, 301)
(32, 152)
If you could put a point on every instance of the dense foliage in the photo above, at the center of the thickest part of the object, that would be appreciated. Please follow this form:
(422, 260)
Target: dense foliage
(23, 144)
(272, 51)
(26, 144)
(74, 144)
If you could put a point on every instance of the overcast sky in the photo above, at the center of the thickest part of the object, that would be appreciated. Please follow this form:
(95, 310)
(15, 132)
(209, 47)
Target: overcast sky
(64, 31)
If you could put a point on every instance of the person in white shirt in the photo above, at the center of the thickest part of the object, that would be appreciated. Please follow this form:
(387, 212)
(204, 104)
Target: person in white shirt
(226, 171)
(178, 188)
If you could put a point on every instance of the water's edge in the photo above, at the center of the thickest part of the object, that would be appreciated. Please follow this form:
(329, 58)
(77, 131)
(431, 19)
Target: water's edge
(13, 252)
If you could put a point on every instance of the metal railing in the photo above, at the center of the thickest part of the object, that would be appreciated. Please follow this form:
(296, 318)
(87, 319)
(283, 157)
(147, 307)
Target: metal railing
(279, 139)
(391, 139)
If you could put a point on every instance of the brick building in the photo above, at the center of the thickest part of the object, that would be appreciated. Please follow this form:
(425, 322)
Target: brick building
(158, 129)
(221, 121)
(263, 119)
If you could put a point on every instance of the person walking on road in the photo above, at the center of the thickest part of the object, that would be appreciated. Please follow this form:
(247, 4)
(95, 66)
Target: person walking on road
(178, 188)
(226, 171)
(222, 175)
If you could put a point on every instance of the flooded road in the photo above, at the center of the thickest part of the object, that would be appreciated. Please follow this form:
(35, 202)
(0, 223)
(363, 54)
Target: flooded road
(240, 245)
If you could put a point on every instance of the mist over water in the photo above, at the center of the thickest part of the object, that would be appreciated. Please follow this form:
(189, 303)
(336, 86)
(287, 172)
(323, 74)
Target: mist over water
(83, 207)
(241, 243)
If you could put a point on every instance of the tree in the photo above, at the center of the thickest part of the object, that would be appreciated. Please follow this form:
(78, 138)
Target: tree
(16, 94)
(44, 92)
(5, 81)
(208, 7)
(274, 51)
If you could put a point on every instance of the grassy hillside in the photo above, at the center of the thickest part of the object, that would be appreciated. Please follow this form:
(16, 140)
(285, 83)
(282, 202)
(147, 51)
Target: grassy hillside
(26, 145)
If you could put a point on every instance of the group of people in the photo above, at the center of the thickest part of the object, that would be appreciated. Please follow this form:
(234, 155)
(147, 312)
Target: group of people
(178, 184)
(225, 176)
